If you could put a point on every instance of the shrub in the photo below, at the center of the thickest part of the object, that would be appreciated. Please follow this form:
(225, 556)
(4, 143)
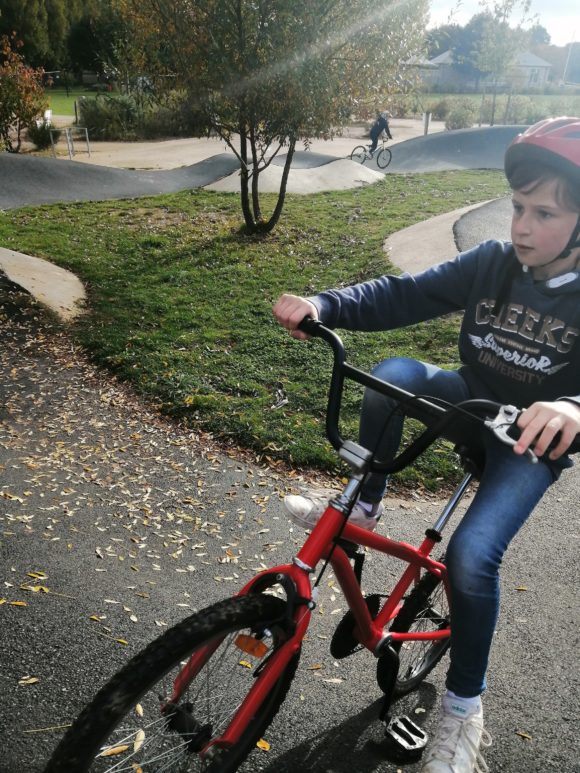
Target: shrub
(140, 116)
(173, 116)
(39, 134)
(109, 118)
(22, 94)
(461, 115)
(439, 110)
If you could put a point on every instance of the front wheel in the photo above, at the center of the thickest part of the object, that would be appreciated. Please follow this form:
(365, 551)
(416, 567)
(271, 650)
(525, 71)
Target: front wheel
(130, 725)
(384, 158)
(359, 154)
(425, 609)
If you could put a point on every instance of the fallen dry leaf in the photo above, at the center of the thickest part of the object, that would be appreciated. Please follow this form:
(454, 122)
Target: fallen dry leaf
(139, 740)
(28, 680)
(114, 751)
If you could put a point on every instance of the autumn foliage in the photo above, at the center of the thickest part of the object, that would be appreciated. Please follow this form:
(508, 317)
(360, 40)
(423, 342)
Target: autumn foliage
(22, 98)
(270, 76)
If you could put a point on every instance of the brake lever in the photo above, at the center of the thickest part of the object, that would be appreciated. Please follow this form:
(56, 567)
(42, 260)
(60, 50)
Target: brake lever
(501, 425)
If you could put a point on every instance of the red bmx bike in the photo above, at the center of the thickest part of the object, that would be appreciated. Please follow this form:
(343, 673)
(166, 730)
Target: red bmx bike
(200, 697)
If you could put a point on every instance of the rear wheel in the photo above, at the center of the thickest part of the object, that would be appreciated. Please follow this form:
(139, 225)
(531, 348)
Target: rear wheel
(425, 609)
(384, 158)
(359, 154)
(130, 726)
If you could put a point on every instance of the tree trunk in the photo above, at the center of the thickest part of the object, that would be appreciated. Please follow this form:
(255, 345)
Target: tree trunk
(255, 181)
(244, 179)
(267, 227)
(251, 205)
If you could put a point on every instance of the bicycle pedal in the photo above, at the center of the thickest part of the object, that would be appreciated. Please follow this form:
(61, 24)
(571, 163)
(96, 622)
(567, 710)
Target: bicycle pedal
(406, 740)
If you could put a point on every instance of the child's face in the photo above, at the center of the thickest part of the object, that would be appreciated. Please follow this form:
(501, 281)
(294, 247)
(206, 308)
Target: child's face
(541, 228)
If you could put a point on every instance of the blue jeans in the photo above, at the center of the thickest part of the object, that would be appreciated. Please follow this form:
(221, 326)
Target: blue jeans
(509, 489)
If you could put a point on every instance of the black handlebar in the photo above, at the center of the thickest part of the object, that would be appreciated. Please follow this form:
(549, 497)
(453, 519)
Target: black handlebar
(454, 422)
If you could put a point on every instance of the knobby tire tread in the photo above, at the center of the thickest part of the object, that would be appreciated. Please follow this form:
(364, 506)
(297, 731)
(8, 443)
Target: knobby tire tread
(76, 749)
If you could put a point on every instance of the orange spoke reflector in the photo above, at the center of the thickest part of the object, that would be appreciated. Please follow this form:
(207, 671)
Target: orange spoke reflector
(251, 646)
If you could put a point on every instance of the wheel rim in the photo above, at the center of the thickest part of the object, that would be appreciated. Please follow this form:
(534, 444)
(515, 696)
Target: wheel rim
(384, 158)
(416, 656)
(359, 154)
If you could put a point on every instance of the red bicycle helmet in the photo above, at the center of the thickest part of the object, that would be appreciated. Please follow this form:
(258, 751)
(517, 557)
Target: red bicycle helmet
(554, 142)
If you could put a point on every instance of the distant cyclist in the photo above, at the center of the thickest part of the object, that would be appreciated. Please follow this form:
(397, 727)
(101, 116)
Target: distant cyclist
(380, 125)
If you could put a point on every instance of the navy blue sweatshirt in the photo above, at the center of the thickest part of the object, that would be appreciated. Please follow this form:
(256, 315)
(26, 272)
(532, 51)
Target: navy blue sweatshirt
(528, 351)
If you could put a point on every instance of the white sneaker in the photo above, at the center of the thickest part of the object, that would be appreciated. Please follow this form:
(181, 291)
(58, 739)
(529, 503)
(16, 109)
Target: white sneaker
(306, 511)
(456, 745)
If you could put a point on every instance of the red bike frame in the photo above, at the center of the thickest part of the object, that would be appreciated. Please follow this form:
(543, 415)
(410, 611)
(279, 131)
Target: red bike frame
(323, 544)
(320, 544)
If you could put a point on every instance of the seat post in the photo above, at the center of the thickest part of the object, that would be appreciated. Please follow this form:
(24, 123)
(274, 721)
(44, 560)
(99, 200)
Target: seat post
(451, 505)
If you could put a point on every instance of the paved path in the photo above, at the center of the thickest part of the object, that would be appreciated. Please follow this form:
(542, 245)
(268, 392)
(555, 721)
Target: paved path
(36, 180)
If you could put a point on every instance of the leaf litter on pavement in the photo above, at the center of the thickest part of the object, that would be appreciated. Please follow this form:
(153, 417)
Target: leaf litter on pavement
(89, 468)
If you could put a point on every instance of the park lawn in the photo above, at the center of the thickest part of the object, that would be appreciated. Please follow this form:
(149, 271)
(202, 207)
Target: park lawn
(524, 108)
(180, 301)
(62, 103)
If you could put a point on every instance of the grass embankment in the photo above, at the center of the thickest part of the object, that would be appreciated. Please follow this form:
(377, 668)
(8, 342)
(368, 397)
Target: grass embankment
(180, 300)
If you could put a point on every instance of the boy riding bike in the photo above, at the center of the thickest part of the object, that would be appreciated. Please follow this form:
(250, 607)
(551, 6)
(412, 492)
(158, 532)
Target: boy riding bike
(518, 344)
(380, 125)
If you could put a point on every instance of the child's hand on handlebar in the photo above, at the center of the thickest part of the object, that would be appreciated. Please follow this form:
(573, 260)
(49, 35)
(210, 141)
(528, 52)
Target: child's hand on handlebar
(290, 310)
(548, 423)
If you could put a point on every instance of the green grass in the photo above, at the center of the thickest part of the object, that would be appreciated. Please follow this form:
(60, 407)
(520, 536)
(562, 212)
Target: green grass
(62, 103)
(180, 300)
(524, 108)
(547, 100)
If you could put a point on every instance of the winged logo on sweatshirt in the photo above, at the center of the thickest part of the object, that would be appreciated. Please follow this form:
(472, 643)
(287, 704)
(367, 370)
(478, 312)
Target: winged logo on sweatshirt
(541, 364)
(477, 341)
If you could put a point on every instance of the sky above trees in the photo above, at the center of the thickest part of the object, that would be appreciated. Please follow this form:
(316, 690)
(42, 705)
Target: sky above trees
(559, 17)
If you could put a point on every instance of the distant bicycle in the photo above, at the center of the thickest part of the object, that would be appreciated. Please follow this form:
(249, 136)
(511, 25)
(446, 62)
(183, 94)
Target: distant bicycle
(381, 154)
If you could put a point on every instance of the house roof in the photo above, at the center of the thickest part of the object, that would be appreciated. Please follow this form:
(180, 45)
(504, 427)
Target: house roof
(420, 62)
(445, 58)
(524, 59)
(527, 59)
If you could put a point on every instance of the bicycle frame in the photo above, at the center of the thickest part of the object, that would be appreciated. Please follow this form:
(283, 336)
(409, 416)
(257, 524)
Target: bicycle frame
(371, 632)
(381, 146)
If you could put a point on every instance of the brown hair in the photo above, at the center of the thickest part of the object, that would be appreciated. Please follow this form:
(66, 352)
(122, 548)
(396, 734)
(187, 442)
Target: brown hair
(527, 177)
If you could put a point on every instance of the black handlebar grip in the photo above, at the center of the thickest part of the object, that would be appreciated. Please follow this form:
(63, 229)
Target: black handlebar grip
(309, 325)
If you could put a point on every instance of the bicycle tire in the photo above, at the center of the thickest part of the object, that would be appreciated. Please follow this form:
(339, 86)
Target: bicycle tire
(359, 154)
(425, 609)
(113, 720)
(384, 157)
